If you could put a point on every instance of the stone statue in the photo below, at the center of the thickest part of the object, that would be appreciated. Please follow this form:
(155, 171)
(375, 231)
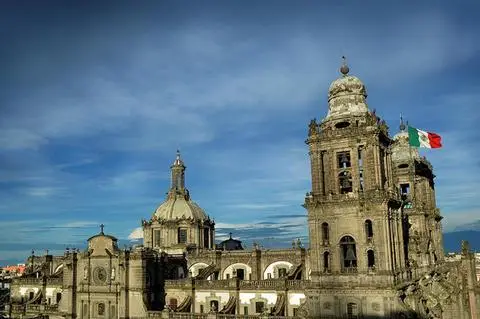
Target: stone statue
(213, 307)
(465, 247)
(312, 128)
(410, 299)
(299, 243)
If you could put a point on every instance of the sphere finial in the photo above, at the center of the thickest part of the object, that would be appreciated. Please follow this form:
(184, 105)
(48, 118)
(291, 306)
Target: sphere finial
(344, 69)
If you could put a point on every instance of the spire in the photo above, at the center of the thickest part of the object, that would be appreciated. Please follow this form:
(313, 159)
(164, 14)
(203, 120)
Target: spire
(178, 160)
(344, 69)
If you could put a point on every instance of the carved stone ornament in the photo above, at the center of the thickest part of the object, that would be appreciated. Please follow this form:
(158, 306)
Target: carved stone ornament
(99, 275)
(429, 295)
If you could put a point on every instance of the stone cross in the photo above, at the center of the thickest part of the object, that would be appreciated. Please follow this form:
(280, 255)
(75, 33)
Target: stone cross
(101, 228)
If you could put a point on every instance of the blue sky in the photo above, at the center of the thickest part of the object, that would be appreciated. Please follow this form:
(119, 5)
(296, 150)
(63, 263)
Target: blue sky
(96, 97)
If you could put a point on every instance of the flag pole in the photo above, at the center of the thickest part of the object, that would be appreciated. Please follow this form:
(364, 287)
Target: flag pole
(412, 161)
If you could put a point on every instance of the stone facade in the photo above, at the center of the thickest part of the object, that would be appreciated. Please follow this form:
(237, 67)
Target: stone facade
(375, 245)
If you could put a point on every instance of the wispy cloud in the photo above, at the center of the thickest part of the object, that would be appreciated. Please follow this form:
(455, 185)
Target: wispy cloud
(90, 125)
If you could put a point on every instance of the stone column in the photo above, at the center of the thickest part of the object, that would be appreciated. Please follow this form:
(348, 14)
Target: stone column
(314, 169)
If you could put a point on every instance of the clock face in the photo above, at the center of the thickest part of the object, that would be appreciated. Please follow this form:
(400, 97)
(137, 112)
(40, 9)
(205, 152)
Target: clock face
(100, 275)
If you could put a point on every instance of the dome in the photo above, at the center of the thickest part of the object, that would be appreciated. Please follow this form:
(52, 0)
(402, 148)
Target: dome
(179, 207)
(346, 85)
(347, 95)
(230, 244)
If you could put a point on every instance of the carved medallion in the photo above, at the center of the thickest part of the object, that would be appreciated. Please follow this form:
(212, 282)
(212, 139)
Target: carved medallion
(327, 305)
(99, 275)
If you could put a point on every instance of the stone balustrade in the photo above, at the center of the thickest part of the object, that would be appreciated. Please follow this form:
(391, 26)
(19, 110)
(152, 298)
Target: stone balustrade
(234, 283)
(29, 281)
(55, 281)
(34, 309)
(183, 283)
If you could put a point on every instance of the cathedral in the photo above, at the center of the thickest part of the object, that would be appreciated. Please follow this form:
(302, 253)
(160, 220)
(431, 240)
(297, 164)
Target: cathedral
(375, 245)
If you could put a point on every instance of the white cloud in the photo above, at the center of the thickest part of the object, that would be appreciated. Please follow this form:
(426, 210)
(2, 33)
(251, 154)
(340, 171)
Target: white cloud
(42, 191)
(137, 233)
(257, 206)
(11, 139)
(182, 102)
(221, 94)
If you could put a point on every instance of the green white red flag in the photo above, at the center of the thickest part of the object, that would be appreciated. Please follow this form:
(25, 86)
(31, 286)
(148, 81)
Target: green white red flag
(419, 138)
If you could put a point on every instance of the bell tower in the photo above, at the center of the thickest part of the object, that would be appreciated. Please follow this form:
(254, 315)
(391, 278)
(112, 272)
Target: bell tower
(354, 216)
(414, 180)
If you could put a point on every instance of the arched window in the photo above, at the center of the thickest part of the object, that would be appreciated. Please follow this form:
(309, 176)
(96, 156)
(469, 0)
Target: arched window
(182, 235)
(325, 233)
(348, 254)
(370, 259)
(259, 307)
(369, 229)
(157, 238)
(326, 261)
(345, 181)
(214, 306)
(101, 309)
(352, 310)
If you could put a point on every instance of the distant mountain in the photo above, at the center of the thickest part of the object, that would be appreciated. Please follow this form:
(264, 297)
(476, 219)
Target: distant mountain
(474, 225)
(452, 241)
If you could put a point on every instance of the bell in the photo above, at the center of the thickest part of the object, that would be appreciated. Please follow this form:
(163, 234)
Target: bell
(350, 255)
(346, 183)
(344, 160)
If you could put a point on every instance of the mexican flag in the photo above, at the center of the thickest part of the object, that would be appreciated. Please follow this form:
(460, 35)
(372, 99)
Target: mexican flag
(419, 138)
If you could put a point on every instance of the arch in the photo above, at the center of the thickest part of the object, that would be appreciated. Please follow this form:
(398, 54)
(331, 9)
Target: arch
(345, 182)
(58, 268)
(368, 229)
(325, 233)
(370, 258)
(326, 261)
(352, 310)
(195, 268)
(231, 271)
(348, 254)
(273, 270)
(101, 309)
(214, 305)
